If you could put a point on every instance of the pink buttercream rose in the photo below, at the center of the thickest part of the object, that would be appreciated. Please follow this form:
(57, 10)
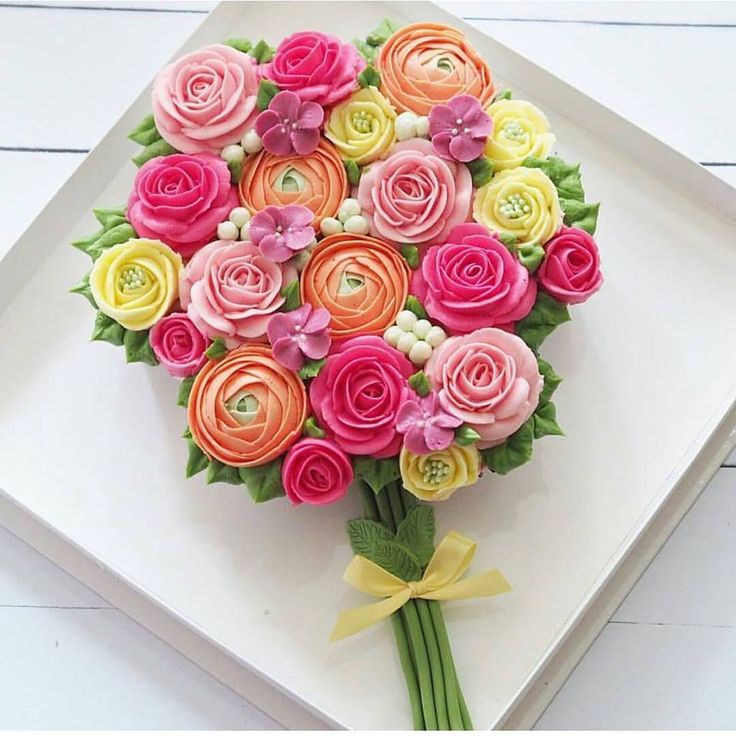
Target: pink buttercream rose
(316, 472)
(206, 99)
(230, 290)
(473, 281)
(178, 345)
(180, 200)
(318, 67)
(413, 195)
(571, 270)
(358, 393)
(489, 379)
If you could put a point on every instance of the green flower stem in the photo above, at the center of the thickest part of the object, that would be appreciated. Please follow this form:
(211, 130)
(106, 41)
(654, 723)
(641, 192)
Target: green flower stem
(394, 499)
(384, 509)
(370, 509)
(435, 664)
(467, 722)
(452, 687)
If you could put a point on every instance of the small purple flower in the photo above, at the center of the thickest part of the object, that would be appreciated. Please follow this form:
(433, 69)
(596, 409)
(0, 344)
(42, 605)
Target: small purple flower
(426, 426)
(459, 130)
(300, 334)
(281, 232)
(290, 125)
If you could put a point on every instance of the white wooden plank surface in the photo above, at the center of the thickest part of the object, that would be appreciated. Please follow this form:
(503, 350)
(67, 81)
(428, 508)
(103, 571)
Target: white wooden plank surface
(666, 660)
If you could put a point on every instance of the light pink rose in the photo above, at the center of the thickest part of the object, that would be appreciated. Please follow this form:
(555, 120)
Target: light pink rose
(230, 290)
(206, 99)
(358, 393)
(571, 270)
(413, 195)
(488, 378)
(318, 67)
(473, 281)
(316, 471)
(180, 200)
(178, 345)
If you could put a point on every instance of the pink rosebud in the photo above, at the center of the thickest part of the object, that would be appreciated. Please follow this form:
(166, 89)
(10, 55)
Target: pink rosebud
(459, 130)
(300, 334)
(427, 427)
(178, 345)
(316, 472)
(290, 125)
(281, 232)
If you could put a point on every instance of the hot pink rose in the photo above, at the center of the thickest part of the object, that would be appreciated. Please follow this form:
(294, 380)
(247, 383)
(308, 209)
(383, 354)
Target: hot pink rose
(357, 395)
(571, 267)
(413, 195)
(178, 345)
(316, 472)
(473, 281)
(489, 379)
(180, 199)
(230, 290)
(318, 67)
(206, 99)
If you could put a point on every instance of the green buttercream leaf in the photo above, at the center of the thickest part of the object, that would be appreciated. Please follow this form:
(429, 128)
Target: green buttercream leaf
(84, 289)
(264, 481)
(465, 435)
(236, 171)
(185, 388)
(414, 305)
(580, 214)
(109, 217)
(311, 368)
(551, 380)
(396, 559)
(292, 300)
(420, 383)
(197, 461)
(508, 240)
(262, 52)
(545, 421)
(364, 535)
(353, 171)
(369, 77)
(377, 473)
(146, 132)
(312, 429)
(157, 148)
(266, 92)
(108, 330)
(513, 453)
(187, 433)
(382, 32)
(481, 171)
(138, 348)
(216, 350)
(411, 254)
(530, 256)
(416, 533)
(239, 44)
(504, 94)
(368, 52)
(546, 314)
(566, 177)
(119, 234)
(218, 472)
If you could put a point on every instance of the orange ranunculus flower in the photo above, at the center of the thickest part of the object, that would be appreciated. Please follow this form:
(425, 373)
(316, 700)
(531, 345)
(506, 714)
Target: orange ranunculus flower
(246, 409)
(317, 180)
(361, 281)
(425, 64)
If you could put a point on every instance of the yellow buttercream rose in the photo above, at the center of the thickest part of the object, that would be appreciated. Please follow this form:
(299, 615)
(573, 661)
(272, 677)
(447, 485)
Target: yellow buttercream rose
(520, 129)
(519, 202)
(136, 282)
(362, 127)
(437, 476)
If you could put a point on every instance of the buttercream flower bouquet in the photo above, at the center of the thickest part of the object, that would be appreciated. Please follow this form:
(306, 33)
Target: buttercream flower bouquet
(350, 255)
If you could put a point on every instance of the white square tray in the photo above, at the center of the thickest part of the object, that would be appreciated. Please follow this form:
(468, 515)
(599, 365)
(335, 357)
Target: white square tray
(91, 462)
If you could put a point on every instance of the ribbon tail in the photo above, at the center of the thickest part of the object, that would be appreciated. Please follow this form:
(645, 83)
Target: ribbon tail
(484, 585)
(356, 619)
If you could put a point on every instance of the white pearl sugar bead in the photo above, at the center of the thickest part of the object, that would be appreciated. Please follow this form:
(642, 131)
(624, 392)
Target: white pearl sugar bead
(245, 231)
(357, 224)
(406, 342)
(406, 320)
(392, 335)
(422, 126)
(421, 328)
(330, 226)
(233, 153)
(436, 336)
(252, 142)
(406, 126)
(420, 352)
(227, 231)
(239, 216)
(350, 207)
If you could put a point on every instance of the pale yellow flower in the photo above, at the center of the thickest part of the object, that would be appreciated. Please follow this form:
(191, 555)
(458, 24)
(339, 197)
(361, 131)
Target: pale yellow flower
(437, 476)
(362, 127)
(519, 202)
(136, 282)
(520, 129)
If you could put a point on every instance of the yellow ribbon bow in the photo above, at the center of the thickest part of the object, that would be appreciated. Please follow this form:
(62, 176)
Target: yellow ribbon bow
(440, 583)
